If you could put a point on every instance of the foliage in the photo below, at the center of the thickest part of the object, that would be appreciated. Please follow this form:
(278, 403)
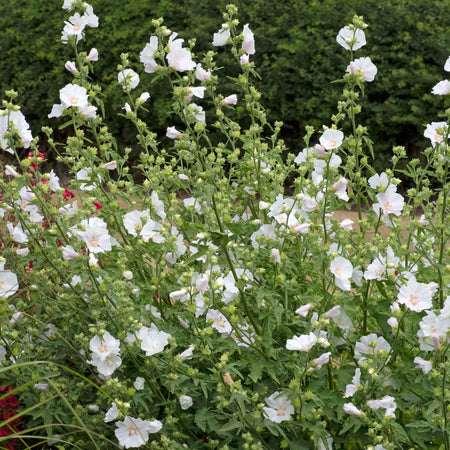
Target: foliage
(296, 58)
(222, 302)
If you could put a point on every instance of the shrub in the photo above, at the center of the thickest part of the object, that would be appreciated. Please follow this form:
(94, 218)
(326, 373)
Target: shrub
(210, 307)
(296, 58)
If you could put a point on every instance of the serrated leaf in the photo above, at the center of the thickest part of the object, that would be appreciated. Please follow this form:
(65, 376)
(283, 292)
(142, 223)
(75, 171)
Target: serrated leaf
(256, 371)
(231, 425)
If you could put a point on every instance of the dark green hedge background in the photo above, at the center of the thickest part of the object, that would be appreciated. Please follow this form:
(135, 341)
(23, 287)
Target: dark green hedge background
(297, 57)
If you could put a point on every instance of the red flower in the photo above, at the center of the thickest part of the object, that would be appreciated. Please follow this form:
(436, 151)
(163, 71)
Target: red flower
(8, 407)
(40, 155)
(97, 205)
(68, 194)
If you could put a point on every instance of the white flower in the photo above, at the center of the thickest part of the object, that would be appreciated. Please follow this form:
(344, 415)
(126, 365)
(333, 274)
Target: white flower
(74, 27)
(11, 172)
(95, 235)
(23, 251)
(71, 67)
(202, 74)
(186, 402)
(351, 39)
(112, 413)
(392, 322)
(147, 55)
(350, 408)
(220, 322)
(230, 100)
(8, 283)
(181, 249)
(187, 354)
(90, 112)
(158, 205)
(303, 343)
(351, 388)
(340, 189)
(279, 408)
(370, 345)
(389, 202)
(91, 18)
(433, 327)
(144, 97)
(76, 279)
(111, 165)
(153, 341)
(303, 310)
(442, 88)
(172, 133)
(364, 66)
(104, 345)
(93, 55)
(134, 221)
(19, 124)
(268, 232)
(53, 181)
(387, 403)
(17, 233)
(128, 275)
(220, 38)
(381, 267)
(133, 432)
(432, 133)
(179, 58)
(423, 364)
(377, 180)
(346, 224)
(249, 41)
(128, 79)
(179, 294)
(342, 269)
(57, 111)
(197, 111)
(139, 383)
(275, 255)
(73, 95)
(415, 296)
(338, 314)
(107, 366)
(331, 139)
(244, 59)
(67, 4)
(197, 91)
(447, 65)
(321, 360)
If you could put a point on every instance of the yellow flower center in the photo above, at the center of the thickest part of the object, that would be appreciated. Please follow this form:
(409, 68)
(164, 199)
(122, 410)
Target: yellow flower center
(132, 430)
(93, 242)
(388, 206)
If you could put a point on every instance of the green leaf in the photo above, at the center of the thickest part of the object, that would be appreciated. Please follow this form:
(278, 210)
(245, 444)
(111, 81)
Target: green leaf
(231, 425)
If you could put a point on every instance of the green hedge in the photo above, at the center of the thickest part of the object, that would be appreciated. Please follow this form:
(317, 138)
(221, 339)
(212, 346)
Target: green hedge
(297, 57)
